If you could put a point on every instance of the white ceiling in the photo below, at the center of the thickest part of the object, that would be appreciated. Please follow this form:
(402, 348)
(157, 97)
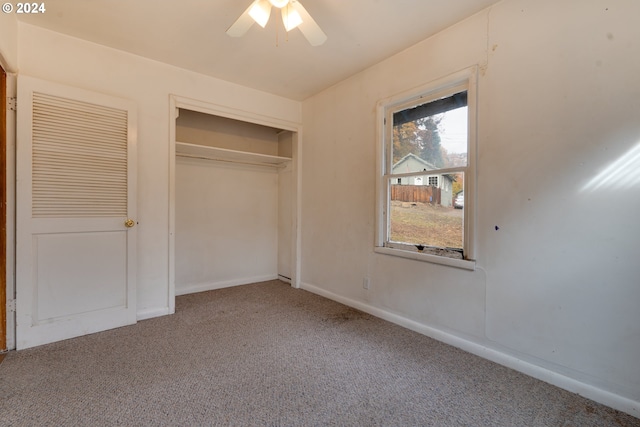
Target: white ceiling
(191, 34)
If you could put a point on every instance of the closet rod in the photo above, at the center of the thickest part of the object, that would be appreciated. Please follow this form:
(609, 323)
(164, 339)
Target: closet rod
(216, 159)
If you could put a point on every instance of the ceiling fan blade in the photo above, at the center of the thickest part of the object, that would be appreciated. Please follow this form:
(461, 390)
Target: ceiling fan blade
(242, 24)
(309, 28)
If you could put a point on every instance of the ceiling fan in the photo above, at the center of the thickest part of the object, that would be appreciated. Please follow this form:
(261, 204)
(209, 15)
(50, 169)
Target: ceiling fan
(294, 15)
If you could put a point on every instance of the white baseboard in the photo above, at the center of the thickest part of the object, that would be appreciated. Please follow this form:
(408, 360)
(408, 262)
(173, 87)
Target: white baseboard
(210, 286)
(151, 313)
(589, 391)
(284, 279)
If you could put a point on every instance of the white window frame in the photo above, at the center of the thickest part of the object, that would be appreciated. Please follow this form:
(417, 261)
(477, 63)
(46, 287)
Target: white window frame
(454, 83)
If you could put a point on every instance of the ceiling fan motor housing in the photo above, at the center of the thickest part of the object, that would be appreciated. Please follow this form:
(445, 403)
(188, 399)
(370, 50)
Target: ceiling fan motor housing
(279, 3)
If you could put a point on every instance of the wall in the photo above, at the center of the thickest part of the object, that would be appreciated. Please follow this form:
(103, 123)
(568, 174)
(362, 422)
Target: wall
(555, 291)
(58, 58)
(215, 131)
(226, 214)
(9, 41)
(226, 224)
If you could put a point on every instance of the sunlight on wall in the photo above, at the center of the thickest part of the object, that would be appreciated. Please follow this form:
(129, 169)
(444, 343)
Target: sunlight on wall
(622, 174)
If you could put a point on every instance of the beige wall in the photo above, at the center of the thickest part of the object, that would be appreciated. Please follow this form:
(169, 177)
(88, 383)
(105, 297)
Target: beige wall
(226, 224)
(556, 287)
(230, 134)
(9, 41)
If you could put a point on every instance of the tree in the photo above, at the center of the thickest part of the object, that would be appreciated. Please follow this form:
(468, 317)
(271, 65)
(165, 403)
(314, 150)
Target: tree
(404, 140)
(420, 137)
(429, 140)
(458, 184)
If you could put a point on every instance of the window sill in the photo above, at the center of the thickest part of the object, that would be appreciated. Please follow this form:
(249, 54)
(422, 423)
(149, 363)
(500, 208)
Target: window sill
(434, 259)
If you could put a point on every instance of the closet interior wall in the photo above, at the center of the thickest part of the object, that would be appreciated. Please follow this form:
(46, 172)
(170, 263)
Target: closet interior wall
(232, 212)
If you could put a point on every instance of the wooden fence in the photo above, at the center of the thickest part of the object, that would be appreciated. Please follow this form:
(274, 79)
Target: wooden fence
(415, 193)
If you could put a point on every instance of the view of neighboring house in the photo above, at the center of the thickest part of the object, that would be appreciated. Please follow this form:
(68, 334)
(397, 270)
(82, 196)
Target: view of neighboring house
(412, 163)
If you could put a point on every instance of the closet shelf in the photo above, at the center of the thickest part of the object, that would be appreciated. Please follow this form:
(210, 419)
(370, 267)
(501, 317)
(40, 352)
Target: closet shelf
(222, 154)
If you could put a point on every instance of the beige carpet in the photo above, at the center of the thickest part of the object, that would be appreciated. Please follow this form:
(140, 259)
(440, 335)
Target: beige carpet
(269, 355)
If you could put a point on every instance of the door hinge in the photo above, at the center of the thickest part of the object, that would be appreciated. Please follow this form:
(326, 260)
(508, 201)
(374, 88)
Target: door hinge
(12, 103)
(11, 306)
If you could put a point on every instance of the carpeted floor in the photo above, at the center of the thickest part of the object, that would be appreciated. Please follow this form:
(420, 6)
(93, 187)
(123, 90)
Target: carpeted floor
(269, 355)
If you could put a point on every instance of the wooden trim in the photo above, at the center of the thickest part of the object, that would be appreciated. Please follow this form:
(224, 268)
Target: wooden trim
(3, 209)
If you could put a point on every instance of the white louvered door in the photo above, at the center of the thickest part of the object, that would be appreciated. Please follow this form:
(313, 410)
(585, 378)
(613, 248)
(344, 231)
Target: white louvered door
(76, 266)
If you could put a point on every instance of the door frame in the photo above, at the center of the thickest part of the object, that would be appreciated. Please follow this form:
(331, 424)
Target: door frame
(175, 103)
(7, 258)
(3, 210)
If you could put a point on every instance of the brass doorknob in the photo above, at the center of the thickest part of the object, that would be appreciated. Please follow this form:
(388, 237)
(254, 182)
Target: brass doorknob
(129, 223)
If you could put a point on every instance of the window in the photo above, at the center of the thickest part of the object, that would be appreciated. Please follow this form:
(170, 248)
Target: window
(431, 129)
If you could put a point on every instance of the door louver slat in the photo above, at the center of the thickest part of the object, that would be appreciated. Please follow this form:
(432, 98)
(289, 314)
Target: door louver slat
(79, 165)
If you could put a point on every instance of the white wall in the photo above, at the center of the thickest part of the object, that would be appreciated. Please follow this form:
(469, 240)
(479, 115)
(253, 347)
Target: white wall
(215, 131)
(9, 42)
(58, 58)
(226, 224)
(556, 290)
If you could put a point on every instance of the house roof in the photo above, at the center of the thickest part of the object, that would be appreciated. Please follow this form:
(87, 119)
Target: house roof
(427, 166)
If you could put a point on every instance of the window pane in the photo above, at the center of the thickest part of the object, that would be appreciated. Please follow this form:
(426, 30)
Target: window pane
(453, 137)
(431, 136)
(428, 215)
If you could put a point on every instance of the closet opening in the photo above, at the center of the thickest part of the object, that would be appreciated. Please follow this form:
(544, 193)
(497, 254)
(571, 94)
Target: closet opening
(234, 200)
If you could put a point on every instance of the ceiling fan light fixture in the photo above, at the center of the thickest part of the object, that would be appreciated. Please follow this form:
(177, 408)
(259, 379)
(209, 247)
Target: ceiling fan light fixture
(260, 12)
(290, 18)
(294, 15)
(279, 3)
